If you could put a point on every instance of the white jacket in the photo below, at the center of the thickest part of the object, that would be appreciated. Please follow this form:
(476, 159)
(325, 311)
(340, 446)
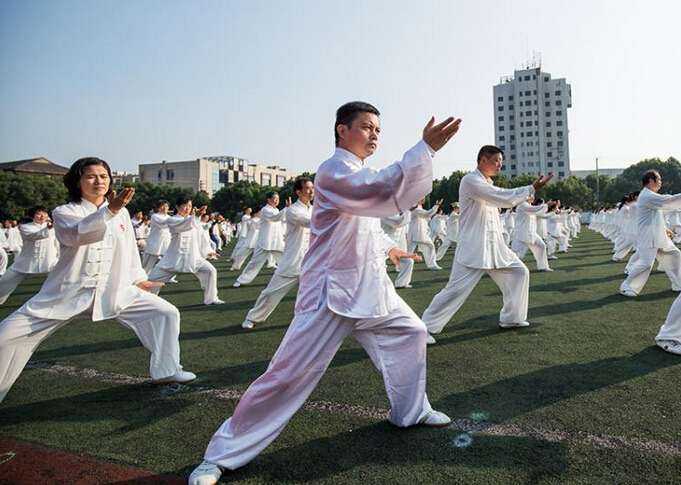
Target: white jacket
(39, 252)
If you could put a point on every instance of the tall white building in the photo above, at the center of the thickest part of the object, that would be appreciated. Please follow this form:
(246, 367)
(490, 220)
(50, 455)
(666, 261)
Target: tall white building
(531, 124)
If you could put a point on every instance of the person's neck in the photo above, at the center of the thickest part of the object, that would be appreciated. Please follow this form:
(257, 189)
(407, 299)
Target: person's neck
(361, 158)
(306, 202)
(96, 201)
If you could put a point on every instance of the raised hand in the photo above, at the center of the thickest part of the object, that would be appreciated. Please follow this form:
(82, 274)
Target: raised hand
(148, 285)
(201, 211)
(288, 202)
(439, 135)
(541, 181)
(118, 201)
(396, 253)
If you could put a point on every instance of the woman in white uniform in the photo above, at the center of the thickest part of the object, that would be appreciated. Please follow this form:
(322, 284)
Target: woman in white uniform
(159, 236)
(99, 275)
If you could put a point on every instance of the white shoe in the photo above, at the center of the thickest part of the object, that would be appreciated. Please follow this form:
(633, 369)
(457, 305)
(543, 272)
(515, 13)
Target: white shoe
(675, 288)
(547, 270)
(430, 340)
(671, 346)
(218, 301)
(236, 284)
(247, 324)
(435, 419)
(629, 293)
(206, 473)
(437, 267)
(173, 280)
(402, 287)
(182, 376)
(506, 325)
(553, 256)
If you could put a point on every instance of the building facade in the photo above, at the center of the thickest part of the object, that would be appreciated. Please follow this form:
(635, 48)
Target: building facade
(35, 166)
(210, 174)
(531, 123)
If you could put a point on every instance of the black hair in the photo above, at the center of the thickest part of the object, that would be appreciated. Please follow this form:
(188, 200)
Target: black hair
(161, 202)
(34, 209)
(649, 175)
(271, 194)
(347, 113)
(488, 151)
(182, 200)
(72, 177)
(300, 183)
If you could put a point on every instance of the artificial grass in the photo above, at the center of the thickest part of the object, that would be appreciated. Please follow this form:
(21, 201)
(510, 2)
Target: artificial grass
(587, 364)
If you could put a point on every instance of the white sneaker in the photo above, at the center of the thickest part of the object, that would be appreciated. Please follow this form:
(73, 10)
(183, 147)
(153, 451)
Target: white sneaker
(675, 288)
(402, 287)
(236, 284)
(247, 324)
(547, 270)
(437, 267)
(671, 346)
(553, 256)
(629, 293)
(182, 376)
(430, 340)
(506, 325)
(206, 473)
(218, 301)
(173, 280)
(435, 419)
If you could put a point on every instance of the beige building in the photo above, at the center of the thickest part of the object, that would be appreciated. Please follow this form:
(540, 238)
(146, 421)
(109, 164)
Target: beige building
(120, 178)
(212, 173)
(35, 166)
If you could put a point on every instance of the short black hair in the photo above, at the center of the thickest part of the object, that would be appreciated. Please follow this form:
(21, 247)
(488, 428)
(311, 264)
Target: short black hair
(488, 151)
(182, 200)
(271, 194)
(72, 177)
(300, 183)
(649, 175)
(161, 202)
(34, 209)
(347, 113)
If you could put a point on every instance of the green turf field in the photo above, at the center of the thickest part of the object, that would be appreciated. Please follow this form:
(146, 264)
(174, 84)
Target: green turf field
(581, 396)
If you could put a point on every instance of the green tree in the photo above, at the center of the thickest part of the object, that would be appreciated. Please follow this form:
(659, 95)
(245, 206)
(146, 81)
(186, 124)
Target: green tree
(572, 191)
(21, 192)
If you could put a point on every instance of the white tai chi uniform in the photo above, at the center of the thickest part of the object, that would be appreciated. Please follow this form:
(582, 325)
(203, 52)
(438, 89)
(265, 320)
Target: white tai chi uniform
(157, 241)
(418, 235)
(38, 256)
(451, 237)
(270, 243)
(94, 278)
(14, 240)
(527, 236)
(242, 232)
(652, 242)
(252, 231)
(344, 289)
(286, 276)
(396, 229)
(4, 245)
(481, 249)
(184, 256)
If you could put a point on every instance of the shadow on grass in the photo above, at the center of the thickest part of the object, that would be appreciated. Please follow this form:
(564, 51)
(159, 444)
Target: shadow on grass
(120, 404)
(385, 453)
(523, 393)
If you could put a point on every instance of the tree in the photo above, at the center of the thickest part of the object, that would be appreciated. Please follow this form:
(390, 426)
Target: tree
(572, 191)
(21, 192)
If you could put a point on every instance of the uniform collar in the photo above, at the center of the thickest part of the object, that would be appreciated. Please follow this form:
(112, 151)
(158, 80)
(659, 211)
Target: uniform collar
(486, 179)
(347, 156)
(92, 207)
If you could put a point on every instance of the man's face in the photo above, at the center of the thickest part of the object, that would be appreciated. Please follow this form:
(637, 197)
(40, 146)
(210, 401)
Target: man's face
(361, 137)
(185, 209)
(306, 194)
(274, 200)
(490, 166)
(656, 185)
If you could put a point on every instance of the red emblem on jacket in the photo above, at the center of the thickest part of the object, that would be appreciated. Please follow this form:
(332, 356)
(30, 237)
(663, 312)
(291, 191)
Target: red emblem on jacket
(122, 227)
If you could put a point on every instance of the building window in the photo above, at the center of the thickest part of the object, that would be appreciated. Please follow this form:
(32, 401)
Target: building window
(265, 179)
(170, 174)
(548, 123)
(512, 166)
(549, 154)
(522, 124)
(546, 95)
(561, 174)
(502, 128)
(558, 102)
(512, 147)
(535, 102)
(546, 79)
(527, 78)
(510, 108)
(559, 113)
(561, 164)
(501, 118)
(512, 137)
(548, 134)
(527, 93)
(503, 147)
(559, 133)
(548, 114)
(549, 144)
(502, 138)
(536, 123)
(528, 113)
(550, 164)
(500, 98)
(528, 103)
(560, 143)
(500, 108)
(160, 175)
(559, 123)
(522, 134)
(520, 94)
(511, 117)
(510, 98)
(529, 133)
(536, 133)
(557, 93)
(547, 103)
(512, 127)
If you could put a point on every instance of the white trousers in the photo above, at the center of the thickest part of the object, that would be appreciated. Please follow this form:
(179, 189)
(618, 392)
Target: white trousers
(640, 268)
(538, 250)
(440, 253)
(205, 272)
(514, 283)
(671, 330)
(3, 261)
(270, 297)
(149, 261)
(9, 282)
(427, 248)
(256, 263)
(155, 322)
(626, 245)
(406, 270)
(237, 247)
(241, 256)
(396, 343)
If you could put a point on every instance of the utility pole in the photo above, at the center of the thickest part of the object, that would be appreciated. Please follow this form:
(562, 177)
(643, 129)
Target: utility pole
(598, 198)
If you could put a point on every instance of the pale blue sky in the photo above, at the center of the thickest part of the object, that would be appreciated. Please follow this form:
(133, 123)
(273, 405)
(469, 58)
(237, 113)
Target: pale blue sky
(143, 81)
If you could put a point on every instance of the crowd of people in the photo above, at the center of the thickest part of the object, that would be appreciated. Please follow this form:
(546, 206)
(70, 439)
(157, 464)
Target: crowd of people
(333, 242)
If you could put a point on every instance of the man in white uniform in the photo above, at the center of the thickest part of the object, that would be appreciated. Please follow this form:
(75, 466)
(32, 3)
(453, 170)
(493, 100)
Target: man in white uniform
(242, 232)
(270, 241)
(99, 275)
(652, 240)
(395, 227)
(38, 255)
(344, 289)
(452, 232)
(297, 241)
(526, 234)
(418, 233)
(481, 248)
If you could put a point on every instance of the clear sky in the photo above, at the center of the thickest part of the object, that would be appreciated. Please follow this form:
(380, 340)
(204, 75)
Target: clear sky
(142, 81)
